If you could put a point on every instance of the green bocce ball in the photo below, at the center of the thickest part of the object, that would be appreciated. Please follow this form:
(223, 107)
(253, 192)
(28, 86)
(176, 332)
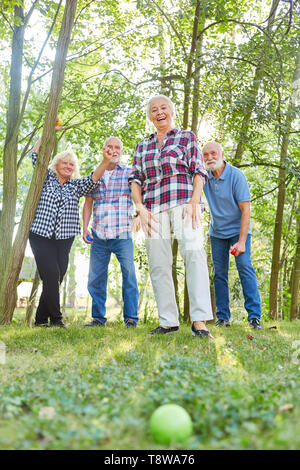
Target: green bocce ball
(170, 423)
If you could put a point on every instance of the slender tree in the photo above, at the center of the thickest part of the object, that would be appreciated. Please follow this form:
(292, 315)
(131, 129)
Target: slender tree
(32, 298)
(8, 292)
(290, 115)
(11, 140)
(253, 91)
(72, 279)
(295, 276)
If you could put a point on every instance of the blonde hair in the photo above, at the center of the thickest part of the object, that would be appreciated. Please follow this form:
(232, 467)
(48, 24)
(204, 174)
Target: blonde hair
(66, 155)
(170, 103)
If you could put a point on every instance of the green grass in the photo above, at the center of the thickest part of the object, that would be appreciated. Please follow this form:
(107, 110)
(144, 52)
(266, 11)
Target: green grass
(96, 388)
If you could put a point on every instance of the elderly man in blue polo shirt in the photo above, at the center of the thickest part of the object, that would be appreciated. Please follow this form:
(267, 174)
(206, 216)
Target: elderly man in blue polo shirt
(228, 197)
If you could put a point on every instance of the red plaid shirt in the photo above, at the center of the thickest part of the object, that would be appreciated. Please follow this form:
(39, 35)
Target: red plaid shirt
(112, 208)
(166, 174)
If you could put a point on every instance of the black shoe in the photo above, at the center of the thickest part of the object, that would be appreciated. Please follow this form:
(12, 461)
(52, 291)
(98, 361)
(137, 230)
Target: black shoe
(58, 323)
(95, 322)
(42, 325)
(130, 323)
(220, 322)
(163, 331)
(255, 324)
(200, 333)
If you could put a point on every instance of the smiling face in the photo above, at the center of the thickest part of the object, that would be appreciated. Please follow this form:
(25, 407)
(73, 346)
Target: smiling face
(212, 156)
(161, 114)
(115, 146)
(65, 168)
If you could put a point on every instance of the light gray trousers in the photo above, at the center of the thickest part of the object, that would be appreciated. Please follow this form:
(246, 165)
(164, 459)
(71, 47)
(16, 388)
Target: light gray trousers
(159, 250)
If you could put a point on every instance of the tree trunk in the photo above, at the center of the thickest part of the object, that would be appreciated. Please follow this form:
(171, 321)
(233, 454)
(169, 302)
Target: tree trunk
(32, 298)
(11, 144)
(196, 95)
(142, 289)
(64, 294)
(284, 265)
(174, 272)
(281, 197)
(186, 303)
(162, 57)
(243, 132)
(72, 279)
(277, 233)
(14, 118)
(295, 276)
(191, 60)
(16, 254)
(258, 75)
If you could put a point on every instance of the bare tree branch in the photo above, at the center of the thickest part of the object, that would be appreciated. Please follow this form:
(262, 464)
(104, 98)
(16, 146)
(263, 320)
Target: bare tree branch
(29, 80)
(246, 23)
(77, 124)
(83, 8)
(29, 13)
(173, 27)
(7, 20)
(275, 6)
(26, 148)
(76, 56)
(256, 163)
(286, 180)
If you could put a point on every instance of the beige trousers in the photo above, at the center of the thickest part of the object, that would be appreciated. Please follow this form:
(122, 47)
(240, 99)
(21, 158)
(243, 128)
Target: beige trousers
(159, 250)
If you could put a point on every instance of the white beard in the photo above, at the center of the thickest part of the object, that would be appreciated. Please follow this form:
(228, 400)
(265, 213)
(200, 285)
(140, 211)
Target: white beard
(215, 166)
(115, 159)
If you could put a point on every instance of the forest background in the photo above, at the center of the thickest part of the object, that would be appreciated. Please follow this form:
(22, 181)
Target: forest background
(231, 67)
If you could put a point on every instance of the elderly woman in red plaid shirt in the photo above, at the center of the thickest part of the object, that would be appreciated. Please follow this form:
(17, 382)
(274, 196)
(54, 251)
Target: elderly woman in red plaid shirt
(166, 183)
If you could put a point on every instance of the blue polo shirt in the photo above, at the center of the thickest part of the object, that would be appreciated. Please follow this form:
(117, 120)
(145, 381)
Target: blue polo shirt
(223, 195)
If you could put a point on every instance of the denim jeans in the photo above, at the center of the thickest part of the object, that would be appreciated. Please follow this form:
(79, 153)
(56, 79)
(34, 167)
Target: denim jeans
(220, 255)
(101, 251)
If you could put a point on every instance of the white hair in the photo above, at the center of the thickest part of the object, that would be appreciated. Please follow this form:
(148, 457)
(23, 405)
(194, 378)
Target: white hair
(66, 155)
(213, 142)
(170, 104)
(113, 137)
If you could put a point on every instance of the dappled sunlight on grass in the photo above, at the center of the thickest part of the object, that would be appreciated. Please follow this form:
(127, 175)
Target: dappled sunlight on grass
(104, 383)
(226, 357)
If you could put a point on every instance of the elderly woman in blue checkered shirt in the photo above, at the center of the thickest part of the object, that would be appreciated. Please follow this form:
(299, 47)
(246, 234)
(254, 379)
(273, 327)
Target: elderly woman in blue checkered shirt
(55, 225)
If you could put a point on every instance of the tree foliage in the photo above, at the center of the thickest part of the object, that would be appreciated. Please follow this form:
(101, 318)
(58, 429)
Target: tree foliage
(227, 65)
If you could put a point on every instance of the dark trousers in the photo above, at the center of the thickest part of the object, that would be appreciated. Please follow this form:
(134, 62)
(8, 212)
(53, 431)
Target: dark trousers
(52, 259)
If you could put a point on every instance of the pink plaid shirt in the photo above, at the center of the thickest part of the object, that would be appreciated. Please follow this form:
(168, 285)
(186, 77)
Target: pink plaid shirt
(166, 174)
(112, 208)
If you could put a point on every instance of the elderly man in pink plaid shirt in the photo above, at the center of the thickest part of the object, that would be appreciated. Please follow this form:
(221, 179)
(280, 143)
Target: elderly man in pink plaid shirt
(166, 184)
(111, 233)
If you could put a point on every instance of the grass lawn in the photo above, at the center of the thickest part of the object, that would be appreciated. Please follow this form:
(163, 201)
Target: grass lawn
(96, 388)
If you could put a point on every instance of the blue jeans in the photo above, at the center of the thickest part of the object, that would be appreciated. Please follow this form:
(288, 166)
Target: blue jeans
(101, 251)
(220, 255)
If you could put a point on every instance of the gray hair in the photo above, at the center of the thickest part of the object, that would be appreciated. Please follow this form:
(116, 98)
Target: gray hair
(213, 142)
(68, 155)
(168, 100)
(113, 137)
